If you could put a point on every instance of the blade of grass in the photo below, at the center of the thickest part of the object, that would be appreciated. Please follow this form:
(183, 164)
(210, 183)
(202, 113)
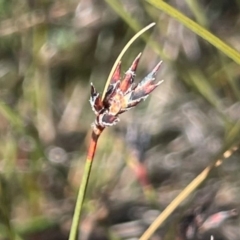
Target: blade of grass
(196, 28)
(175, 203)
(204, 87)
(11, 115)
(35, 224)
(198, 12)
(42, 89)
(178, 200)
(201, 18)
(230, 77)
(231, 139)
(196, 80)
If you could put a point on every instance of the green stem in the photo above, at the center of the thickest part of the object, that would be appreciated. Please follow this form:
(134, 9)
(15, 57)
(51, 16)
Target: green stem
(84, 183)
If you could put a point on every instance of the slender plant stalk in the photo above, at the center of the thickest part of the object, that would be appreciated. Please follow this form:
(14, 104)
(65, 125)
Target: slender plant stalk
(185, 193)
(82, 190)
(175, 203)
(93, 144)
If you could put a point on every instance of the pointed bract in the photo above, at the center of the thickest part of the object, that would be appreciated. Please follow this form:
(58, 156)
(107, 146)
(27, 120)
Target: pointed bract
(147, 85)
(108, 120)
(130, 75)
(95, 101)
(135, 63)
(117, 74)
(111, 91)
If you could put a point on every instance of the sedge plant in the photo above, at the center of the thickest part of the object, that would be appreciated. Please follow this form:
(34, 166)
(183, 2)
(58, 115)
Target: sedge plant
(118, 97)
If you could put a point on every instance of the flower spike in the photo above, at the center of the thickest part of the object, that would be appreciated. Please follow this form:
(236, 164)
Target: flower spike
(122, 95)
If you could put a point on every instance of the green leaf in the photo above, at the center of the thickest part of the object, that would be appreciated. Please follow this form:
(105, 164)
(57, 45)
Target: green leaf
(196, 28)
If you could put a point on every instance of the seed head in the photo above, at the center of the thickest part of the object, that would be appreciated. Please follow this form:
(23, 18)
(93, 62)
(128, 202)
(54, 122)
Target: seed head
(122, 95)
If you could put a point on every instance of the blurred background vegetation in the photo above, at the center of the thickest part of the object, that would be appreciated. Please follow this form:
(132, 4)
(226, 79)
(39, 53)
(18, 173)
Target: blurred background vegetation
(50, 51)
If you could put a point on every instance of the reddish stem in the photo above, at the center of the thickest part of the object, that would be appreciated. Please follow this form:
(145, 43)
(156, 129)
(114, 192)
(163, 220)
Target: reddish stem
(93, 143)
(83, 187)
